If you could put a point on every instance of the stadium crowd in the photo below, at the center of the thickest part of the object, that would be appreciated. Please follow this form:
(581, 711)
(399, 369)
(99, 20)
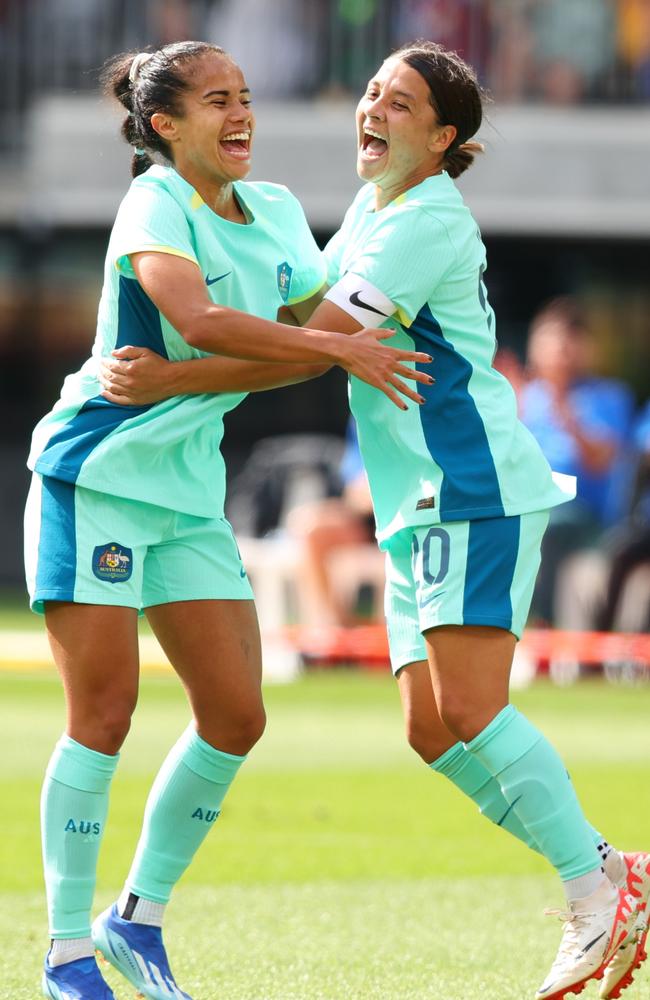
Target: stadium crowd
(523, 50)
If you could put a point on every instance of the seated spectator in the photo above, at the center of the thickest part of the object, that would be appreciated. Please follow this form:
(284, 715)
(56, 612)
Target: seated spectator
(626, 605)
(582, 423)
(325, 527)
(574, 47)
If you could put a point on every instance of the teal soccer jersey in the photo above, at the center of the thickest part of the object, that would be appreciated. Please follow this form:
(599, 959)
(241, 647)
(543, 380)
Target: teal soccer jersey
(167, 453)
(417, 265)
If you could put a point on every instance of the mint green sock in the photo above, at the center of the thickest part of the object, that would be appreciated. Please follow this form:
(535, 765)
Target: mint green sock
(183, 804)
(74, 804)
(467, 772)
(535, 784)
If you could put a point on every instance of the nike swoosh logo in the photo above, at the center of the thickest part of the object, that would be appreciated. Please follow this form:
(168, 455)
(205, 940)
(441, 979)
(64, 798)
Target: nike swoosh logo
(587, 947)
(356, 301)
(508, 810)
(211, 281)
(432, 597)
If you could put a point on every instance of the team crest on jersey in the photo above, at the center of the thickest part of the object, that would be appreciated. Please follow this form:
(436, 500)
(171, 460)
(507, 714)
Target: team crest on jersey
(284, 280)
(112, 562)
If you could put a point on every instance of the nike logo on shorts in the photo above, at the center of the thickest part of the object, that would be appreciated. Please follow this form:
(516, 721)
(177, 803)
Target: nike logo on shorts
(356, 301)
(422, 602)
(211, 281)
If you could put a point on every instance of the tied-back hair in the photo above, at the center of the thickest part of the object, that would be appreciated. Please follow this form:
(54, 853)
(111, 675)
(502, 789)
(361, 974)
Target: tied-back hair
(455, 95)
(148, 82)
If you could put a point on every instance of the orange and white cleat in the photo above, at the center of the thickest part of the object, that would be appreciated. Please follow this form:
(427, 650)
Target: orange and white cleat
(620, 970)
(594, 929)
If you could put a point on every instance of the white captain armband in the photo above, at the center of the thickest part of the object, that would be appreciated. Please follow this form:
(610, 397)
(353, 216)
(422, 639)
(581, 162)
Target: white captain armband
(361, 300)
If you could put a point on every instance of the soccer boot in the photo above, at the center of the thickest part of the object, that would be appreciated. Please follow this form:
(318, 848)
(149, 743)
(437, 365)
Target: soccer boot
(78, 980)
(619, 973)
(594, 928)
(138, 953)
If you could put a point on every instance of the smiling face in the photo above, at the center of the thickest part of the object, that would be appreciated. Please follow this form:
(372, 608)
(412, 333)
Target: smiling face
(212, 138)
(400, 141)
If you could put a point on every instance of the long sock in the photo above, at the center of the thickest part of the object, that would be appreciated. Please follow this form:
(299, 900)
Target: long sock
(183, 804)
(74, 804)
(470, 775)
(535, 783)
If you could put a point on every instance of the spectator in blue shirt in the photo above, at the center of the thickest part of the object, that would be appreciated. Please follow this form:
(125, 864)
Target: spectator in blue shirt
(582, 423)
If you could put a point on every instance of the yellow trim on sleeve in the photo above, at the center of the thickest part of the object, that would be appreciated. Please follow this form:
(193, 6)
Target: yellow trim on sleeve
(403, 318)
(156, 248)
(303, 298)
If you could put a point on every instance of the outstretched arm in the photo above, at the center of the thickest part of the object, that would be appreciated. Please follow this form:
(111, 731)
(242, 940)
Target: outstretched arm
(177, 289)
(136, 376)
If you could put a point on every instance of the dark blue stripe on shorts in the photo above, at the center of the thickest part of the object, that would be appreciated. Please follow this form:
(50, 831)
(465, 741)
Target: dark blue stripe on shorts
(492, 550)
(57, 548)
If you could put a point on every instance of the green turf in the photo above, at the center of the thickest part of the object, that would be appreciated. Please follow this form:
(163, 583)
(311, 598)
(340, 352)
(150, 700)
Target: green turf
(341, 867)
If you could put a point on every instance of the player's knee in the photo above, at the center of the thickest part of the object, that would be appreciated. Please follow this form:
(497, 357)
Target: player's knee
(252, 726)
(106, 726)
(239, 732)
(458, 717)
(422, 740)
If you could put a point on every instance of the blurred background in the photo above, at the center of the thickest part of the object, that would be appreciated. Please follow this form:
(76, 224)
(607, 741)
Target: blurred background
(562, 196)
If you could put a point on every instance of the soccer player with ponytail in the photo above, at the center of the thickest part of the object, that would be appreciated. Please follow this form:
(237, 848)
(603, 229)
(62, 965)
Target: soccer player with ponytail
(461, 493)
(125, 511)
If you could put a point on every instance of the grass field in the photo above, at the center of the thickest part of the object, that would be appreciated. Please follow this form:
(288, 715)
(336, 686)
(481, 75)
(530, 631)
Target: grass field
(341, 867)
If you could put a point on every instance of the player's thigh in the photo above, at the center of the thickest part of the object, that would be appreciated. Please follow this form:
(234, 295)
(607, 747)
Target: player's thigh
(470, 673)
(214, 646)
(95, 648)
(425, 730)
(200, 604)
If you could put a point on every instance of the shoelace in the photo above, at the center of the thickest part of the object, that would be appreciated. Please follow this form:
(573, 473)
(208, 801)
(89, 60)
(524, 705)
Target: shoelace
(572, 926)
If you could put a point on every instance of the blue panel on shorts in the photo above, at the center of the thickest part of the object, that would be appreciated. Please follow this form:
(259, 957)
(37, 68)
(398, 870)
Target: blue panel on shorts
(67, 450)
(492, 551)
(57, 549)
(458, 443)
(138, 320)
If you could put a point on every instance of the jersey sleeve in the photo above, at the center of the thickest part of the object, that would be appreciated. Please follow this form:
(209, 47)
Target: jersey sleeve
(407, 255)
(333, 253)
(309, 273)
(150, 218)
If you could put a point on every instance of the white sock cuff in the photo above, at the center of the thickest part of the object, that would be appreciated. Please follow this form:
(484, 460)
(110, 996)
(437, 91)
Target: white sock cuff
(583, 885)
(65, 950)
(145, 911)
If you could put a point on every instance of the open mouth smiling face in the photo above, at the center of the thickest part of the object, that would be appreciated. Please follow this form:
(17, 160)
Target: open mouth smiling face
(373, 144)
(237, 144)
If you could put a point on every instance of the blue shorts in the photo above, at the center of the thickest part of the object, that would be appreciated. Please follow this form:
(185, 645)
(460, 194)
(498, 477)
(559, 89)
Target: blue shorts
(95, 548)
(460, 573)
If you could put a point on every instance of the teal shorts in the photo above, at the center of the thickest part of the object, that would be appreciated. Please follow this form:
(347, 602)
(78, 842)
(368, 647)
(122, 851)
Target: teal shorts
(460, 573)
(95, 548)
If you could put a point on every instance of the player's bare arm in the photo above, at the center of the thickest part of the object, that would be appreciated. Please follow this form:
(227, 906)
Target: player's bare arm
(176, 287)
(138, 376)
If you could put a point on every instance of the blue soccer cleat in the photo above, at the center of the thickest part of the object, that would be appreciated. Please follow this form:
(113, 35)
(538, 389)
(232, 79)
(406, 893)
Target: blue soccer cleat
(138, 952)
(79, 980)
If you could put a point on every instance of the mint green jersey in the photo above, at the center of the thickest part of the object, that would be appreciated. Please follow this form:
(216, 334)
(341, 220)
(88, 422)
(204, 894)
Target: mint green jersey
(168, 453)
(417, 265)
